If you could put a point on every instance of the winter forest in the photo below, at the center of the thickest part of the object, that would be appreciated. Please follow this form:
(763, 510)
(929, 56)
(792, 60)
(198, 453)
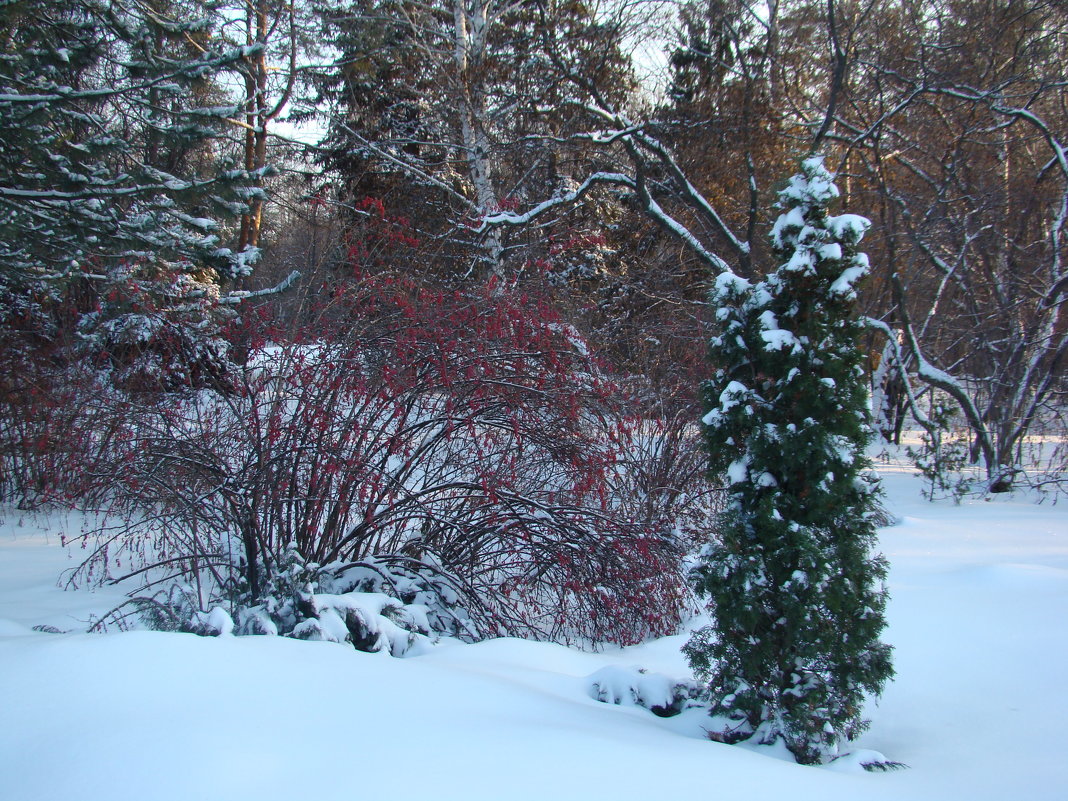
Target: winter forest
(582, 383)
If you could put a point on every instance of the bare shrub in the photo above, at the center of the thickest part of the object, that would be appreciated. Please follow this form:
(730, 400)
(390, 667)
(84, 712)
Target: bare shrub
(466, 440)
(50, 427)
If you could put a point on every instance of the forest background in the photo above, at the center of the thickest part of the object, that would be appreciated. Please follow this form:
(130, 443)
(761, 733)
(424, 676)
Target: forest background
(457, 340)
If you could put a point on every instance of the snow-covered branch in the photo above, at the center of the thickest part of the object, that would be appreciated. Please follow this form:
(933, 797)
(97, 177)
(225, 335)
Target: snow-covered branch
(512, 218)
(239, 296)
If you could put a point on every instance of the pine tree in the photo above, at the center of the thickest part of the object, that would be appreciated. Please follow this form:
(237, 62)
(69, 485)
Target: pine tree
(115, 186)
(796, 594)
(110, 162)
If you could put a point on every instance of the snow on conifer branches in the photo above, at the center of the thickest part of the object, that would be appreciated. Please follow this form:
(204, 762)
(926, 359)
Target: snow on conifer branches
(797, 598)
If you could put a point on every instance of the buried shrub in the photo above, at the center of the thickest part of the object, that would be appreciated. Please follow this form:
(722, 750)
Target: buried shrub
(662, 695)
(461, 445)
(305, 601)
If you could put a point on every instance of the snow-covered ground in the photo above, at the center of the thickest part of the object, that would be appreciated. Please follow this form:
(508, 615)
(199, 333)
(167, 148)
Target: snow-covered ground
(978, 709)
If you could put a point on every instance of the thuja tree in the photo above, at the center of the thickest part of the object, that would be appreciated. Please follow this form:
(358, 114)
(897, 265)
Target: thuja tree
(796, 594)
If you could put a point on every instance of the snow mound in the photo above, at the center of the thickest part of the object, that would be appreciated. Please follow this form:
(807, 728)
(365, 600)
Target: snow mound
(635, 686)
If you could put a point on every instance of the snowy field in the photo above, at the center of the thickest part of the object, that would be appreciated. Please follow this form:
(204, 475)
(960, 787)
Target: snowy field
(979, 618)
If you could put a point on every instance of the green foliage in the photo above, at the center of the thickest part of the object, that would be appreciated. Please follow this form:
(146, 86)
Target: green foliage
(883, 767)
(109, 152)
(798, 600)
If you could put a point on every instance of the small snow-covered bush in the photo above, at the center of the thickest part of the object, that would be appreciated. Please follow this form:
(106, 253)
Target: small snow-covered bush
(462, 442)
(300, 604)
(660, 694)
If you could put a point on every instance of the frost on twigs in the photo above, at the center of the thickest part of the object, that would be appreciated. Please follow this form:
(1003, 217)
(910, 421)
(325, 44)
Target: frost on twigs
(796, 597)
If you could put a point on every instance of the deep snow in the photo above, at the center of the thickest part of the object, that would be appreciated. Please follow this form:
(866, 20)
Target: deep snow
(977, 617)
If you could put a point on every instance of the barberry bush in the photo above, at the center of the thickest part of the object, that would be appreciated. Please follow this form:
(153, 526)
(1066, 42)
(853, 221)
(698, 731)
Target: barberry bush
(466, 444)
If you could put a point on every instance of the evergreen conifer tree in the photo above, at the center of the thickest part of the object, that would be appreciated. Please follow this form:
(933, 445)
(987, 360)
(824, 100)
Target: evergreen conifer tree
(111, 151)
(796, 594)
